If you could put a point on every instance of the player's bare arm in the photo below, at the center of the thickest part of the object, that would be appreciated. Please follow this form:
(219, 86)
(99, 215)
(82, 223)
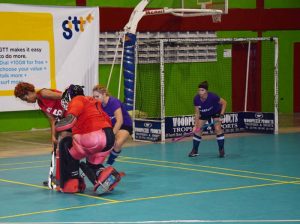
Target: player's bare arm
(197, 117)
(52, 126)
(119, 120)
(223, 104)
(49, 94)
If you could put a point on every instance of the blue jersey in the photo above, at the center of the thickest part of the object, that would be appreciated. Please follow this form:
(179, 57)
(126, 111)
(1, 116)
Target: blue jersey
(112, 105)
(210, 106)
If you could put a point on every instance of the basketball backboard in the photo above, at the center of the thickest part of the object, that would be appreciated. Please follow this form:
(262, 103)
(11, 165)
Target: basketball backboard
(206, 4)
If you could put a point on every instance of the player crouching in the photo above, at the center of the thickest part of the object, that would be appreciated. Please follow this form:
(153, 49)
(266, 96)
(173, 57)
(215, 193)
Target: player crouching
(92, 138)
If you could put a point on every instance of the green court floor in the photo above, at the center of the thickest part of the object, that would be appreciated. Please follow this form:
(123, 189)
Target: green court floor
(258, 181)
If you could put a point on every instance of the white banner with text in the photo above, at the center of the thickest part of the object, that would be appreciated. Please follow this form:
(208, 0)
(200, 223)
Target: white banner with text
(49, 47)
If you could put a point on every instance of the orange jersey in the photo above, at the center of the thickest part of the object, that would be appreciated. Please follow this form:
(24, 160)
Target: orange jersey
(89, 113)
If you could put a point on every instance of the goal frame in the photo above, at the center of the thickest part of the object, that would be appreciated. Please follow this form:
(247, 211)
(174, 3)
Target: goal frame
(210, 40)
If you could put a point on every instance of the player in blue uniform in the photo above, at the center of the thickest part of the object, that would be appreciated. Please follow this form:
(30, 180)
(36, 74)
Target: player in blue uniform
(121, 120)
(208, 106)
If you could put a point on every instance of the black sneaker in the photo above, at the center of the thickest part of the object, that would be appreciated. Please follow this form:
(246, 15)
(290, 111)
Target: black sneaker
(45, 183)
(193, 153)
(221, 153)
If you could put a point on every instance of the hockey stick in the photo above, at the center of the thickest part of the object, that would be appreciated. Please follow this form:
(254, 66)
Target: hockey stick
(51, 182)
(185, 135)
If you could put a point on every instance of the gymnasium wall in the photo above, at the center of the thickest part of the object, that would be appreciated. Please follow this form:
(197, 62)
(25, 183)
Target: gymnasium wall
(13, 121)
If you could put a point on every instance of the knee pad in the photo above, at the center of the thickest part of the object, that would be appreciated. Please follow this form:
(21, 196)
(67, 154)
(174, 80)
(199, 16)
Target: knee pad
(69, 167)
(107, 180)
(76, 185)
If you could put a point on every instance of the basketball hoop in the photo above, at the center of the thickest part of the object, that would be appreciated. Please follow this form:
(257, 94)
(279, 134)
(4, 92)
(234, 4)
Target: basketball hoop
(192, 12)
(216, 6)
(207, 9)
(217, 18)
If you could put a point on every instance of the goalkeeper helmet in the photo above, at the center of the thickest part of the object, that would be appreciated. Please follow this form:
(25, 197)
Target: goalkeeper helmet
(70, 93)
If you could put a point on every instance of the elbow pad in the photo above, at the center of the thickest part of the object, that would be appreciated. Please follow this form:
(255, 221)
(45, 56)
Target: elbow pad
(66, 123)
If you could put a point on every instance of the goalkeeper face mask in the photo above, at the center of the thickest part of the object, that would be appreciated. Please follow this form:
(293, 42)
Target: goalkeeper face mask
(70, 93)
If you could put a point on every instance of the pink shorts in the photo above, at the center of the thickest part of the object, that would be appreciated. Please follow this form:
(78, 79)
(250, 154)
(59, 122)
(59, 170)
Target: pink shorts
(90, 146)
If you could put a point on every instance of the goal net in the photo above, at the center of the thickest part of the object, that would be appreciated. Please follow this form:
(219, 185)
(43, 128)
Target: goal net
(243, 71)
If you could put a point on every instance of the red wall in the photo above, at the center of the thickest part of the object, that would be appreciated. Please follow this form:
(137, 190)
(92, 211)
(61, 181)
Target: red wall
(239, 70)
(114, 19)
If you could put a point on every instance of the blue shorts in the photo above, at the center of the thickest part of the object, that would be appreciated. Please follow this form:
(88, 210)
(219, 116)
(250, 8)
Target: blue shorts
(209, 117)
(127, 128)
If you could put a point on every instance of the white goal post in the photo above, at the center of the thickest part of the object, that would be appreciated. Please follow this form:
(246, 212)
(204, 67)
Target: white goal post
(161, 87)
(128, 36)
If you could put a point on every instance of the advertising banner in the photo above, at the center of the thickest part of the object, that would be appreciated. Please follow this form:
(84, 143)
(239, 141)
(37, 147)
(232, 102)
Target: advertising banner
(147, 130)
(235, 122)
(259, 122)
(50, 47)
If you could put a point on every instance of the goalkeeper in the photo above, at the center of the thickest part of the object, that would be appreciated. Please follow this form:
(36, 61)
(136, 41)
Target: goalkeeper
(208, 106)
(93, 138)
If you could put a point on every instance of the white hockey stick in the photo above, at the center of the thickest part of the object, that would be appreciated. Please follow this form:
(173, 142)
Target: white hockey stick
(51, 182)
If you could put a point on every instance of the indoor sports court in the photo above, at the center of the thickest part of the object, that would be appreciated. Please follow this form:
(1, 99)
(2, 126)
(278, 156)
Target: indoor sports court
(196, 101)
(257, 182)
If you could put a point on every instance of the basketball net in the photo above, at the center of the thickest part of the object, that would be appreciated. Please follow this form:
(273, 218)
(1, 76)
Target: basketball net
(217, 18)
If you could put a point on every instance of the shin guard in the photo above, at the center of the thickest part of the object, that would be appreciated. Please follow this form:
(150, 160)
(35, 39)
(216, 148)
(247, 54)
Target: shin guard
(107, 180)
(70, 181)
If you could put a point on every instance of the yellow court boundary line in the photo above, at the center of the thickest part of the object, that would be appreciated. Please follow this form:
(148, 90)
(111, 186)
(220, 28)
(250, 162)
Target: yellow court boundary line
(54, 210)
(22, 183)
(46, 188)
(205, 171)
(109, 201)
(210, 167)
(176, 163)
(143, 199)
(182, 168)
(172, 167)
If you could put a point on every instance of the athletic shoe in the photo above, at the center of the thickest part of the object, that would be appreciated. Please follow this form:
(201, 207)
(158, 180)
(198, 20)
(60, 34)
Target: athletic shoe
(221, 153)
(193, 153)
(45, 183)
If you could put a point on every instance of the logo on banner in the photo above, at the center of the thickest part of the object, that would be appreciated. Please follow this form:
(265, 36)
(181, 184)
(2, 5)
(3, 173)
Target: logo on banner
(73, 24)
(259, 115)
(147, 125)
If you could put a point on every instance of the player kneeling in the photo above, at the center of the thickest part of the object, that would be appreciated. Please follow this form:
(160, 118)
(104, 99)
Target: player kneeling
(92, 138)
(104, 179)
